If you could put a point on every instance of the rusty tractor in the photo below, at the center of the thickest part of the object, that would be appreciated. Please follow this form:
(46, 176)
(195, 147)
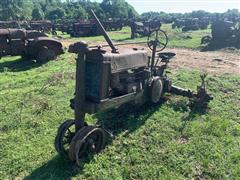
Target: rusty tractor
(224, 34)
(113, 25)
(29, 45)
(9, 24)
(83, 29)
(107, 78)
(191, 24)
(41, 26)
(143, 28)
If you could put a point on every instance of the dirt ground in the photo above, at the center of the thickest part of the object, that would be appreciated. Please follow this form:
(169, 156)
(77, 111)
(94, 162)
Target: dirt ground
(212, 62)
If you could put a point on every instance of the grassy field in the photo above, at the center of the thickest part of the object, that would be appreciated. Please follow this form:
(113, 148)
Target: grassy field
(164, 141)
(177, 38)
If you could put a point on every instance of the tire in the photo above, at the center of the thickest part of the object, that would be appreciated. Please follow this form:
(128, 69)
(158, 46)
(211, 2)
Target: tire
(156, 90)
(46, 54)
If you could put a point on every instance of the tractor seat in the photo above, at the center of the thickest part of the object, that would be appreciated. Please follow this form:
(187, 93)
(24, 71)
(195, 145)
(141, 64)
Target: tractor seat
(166, 56)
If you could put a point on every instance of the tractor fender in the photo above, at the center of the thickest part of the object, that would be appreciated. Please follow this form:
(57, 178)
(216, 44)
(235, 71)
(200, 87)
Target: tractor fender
(35, 45)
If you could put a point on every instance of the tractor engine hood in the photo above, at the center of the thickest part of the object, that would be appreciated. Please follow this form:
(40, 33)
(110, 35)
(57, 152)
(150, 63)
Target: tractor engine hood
(124, 60)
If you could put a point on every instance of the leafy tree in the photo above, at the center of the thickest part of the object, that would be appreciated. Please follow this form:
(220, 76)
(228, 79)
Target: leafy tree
(37, 14)
(55, 14)
(15, 9)
(75, 11)
(118, 9)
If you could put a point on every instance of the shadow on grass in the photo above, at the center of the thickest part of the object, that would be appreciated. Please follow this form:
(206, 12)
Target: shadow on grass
(128, 117)
(57, 168)
(18, 65)
(191, 112)
(116, 121)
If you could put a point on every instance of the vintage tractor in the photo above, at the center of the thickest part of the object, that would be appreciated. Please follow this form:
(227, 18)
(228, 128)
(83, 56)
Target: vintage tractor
(144, 28)
(42, 26)
(108, 78)
(9, 24)
(191, 24)
(83, 29)
(28, 44)
(224, 34)
(113, 25)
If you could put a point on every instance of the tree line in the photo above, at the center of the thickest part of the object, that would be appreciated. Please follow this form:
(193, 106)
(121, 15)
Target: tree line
(232, 15)
(79, 9)
(63, 9)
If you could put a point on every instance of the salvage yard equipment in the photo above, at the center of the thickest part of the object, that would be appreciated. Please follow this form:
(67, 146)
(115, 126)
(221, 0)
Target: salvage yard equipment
(224, 34)
(9, 24)
(89, 28)
(191, 24)
(113, 25)
(83, 29)
(144, 28)
(41, 26)
(28, 44)
(108, 78)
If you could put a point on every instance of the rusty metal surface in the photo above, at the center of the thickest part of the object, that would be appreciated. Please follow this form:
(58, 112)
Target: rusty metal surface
(123, 60)
(4, 32)
(21, 42)
(107, 78)
(104, 33)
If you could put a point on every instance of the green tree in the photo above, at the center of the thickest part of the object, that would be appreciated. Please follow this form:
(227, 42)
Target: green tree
(55, 14)
(118, 9)
(76, 11)
(37, 14)
(15, 9)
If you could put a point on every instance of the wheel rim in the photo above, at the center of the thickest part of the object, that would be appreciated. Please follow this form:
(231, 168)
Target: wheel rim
(66, 132)
(87, 142)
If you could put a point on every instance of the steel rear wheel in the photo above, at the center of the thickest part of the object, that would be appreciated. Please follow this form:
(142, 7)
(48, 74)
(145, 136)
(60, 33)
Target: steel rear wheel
(89, 140)
(65, 134)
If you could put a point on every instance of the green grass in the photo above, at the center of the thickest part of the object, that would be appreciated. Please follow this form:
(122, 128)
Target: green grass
(191, 39)
(177, 38)
(165, 141)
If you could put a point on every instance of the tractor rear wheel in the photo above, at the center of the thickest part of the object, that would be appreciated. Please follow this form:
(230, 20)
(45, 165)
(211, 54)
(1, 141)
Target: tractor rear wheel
(156, 90)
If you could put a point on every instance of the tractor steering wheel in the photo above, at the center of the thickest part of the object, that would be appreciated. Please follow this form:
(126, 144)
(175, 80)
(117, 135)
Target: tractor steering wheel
(159, 39)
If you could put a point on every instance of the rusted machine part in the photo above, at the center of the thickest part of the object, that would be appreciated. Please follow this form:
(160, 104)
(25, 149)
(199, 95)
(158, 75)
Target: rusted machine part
(202, 98)
(88, 141)
(197, 100)
(80, 89)
(104, 33)
(182, 92)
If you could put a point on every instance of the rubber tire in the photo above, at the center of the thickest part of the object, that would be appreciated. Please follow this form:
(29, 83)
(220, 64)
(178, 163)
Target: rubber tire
(156, 90)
